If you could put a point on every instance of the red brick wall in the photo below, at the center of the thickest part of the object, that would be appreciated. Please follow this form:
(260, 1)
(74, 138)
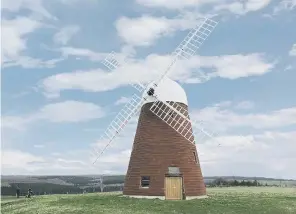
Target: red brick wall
(156, 147)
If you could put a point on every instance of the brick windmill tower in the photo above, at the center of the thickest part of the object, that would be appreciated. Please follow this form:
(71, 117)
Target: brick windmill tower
(163, 163)
(164, 160)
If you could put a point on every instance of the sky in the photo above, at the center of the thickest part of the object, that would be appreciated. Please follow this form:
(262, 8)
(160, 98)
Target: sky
(58, 97)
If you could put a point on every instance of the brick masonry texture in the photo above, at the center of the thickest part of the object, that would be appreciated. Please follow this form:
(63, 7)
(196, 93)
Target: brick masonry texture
(156, 147)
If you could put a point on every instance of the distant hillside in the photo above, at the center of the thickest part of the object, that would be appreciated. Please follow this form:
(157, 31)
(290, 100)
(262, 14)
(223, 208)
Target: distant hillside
(70, 180)
(72, 184)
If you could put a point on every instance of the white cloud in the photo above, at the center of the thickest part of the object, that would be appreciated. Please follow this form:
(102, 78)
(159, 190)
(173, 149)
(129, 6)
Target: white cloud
(78, 2)
(146, 28)
(242, 8)
(17, 159)
(253, 5)
(272, 155)
(29, 62)
(245, 105)
(228, 66)
(39, 146)
(284, 5)
(20, 162)
(237, 66)
(70, 111)
(14, 122)
(176, 4)
(293, 50)
(288, 67)
(291, 4)
(67, 111)
(14, 34)
(36, 6)
(236, 7)
(219, 118)
(64, 35)
(122, 100)
(143, 31)
(68, 163)
(80, 52)
(122, 142)
(271, 152)
(93, 80)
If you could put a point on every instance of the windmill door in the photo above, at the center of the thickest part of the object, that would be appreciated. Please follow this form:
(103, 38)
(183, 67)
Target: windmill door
(173, 188)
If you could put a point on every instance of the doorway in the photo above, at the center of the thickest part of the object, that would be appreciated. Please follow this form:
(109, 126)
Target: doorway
(173, 188)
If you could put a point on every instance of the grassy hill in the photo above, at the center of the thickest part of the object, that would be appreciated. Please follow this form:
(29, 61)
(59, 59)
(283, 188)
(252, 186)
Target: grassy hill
(269, 200)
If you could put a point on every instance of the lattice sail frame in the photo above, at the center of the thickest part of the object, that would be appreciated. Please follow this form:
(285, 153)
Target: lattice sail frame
(191, 43)
(112, 63)
(120, 121)
(182, 124)
(186, 49)
(178, 118)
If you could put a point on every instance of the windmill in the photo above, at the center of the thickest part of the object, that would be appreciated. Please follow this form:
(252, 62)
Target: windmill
(164, 161)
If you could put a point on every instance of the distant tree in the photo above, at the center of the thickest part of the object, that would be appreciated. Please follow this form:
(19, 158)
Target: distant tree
(220, 182)
(235, 183)
(255, 183)
(248, 183)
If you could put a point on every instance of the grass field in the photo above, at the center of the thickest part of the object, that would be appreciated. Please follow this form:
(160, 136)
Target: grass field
(221, 200)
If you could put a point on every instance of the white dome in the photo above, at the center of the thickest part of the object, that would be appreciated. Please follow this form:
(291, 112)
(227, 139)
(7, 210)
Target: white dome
(169, 90)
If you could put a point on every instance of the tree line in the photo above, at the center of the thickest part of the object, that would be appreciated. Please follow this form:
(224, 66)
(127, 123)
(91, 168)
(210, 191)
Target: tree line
(248, 183)
(48, 189)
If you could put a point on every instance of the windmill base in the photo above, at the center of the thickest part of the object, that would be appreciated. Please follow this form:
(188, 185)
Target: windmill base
(163, 197)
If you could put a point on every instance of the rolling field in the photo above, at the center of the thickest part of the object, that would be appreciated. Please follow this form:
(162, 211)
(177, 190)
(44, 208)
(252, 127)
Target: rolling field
(238, 200)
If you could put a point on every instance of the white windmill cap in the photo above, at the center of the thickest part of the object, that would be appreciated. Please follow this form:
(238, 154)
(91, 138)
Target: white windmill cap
(169, 90)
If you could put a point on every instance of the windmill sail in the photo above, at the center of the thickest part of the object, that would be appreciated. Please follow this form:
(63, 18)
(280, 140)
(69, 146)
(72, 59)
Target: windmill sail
(120, 121)
(112, 63)
(191, 43)
(181, 122)
(177, 117)
(186, 49)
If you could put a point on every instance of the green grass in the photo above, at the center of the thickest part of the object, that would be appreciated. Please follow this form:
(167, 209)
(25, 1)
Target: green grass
(237, 200)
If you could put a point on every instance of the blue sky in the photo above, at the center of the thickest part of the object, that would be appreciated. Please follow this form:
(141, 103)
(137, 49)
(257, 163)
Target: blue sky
(57, 97)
